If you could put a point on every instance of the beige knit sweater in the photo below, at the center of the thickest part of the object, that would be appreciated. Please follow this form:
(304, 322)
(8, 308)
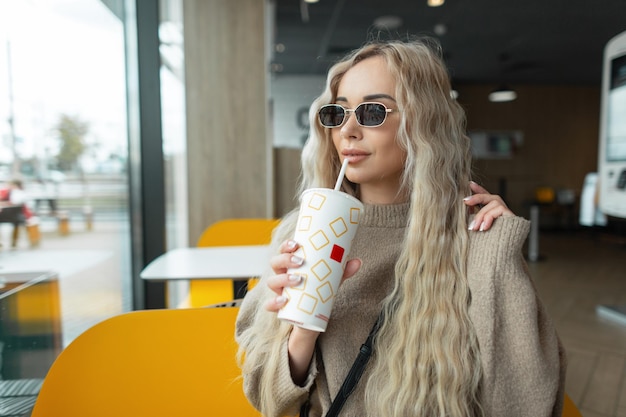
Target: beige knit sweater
(523, 362)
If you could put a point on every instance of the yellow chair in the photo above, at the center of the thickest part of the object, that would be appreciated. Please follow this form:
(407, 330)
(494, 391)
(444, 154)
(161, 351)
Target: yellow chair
(229, 232)
(149, 363)
(569, 408)
(175, 362)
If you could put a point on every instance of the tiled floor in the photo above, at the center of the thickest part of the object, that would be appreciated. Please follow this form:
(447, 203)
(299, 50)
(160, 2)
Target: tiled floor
(579, 272)
(576, 273)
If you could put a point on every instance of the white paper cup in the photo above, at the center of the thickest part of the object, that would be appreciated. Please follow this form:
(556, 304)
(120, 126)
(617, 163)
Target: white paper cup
(327, 223)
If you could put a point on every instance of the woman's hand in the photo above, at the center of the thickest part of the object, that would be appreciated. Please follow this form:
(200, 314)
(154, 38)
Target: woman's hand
(280, 264)
(491, 206)
(288, 259)
(301, 344)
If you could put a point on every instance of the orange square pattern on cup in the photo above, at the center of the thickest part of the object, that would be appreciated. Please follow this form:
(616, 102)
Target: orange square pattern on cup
(326, 226)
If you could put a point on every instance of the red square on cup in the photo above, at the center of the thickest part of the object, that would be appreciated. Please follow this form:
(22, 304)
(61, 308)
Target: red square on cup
(337, 253)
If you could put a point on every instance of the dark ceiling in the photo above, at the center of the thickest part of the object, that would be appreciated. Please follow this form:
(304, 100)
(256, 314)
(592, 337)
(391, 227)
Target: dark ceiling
(485, 41)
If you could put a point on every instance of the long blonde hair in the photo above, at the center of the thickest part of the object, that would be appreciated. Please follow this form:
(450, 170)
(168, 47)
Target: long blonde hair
(426, 360)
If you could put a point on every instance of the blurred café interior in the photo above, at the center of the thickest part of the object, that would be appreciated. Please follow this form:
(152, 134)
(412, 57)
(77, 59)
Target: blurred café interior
(136, 127)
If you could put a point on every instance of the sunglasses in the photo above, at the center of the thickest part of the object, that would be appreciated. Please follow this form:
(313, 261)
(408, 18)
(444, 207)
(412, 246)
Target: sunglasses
(367, 114)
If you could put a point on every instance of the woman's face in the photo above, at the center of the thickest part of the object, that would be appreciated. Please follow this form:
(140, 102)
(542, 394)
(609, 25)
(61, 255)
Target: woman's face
(376, 160)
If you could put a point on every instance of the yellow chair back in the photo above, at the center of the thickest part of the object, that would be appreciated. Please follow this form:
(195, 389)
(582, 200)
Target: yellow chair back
(569, 408)
(229, 232)
(149, 363)
(233, 232)
(175, 362)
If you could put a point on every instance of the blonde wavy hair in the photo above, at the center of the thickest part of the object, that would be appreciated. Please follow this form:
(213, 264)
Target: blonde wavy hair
(426, 360)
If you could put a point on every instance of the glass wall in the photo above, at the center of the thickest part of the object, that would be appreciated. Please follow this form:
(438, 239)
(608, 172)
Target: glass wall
(93, 173)
(63, 135)
(174, 134)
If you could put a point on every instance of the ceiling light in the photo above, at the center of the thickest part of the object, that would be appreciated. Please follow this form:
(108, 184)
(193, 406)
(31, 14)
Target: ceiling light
(387, 22)
(435, 3)
(440, 29)
(502, 94)
(311, 1)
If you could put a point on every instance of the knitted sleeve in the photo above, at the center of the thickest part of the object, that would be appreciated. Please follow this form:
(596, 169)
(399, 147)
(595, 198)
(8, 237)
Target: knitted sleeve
(522, 357)
(287, 396)
(264, 339)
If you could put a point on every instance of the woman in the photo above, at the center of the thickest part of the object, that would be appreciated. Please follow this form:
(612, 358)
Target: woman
(463, 332)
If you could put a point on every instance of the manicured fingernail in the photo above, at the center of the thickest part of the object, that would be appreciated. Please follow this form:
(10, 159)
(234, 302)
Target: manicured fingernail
(467, 198)
(291, 244)
(281, 299)
(297, 260)
(295, 278)
(482, 227)
(471, 226)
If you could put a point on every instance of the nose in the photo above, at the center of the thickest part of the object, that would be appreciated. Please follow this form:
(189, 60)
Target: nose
(350, 128)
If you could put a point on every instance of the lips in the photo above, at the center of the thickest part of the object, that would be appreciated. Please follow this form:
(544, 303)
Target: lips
(354, 155)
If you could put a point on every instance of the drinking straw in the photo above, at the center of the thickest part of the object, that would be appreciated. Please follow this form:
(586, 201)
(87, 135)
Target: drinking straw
(342, 172)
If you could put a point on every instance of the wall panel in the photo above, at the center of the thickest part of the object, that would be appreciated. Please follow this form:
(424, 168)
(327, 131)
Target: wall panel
(229, 152)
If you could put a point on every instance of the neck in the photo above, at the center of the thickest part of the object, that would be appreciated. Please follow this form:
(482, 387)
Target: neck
(382, 195)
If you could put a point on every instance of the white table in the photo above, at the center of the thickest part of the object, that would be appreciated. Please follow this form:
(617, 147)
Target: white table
(178, 266)
(235, 262)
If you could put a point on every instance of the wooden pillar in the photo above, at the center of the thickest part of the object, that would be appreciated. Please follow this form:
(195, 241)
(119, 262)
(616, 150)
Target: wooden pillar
(228, 146)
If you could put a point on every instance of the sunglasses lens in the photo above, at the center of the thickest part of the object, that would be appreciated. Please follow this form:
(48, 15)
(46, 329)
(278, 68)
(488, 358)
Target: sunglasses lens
(371, 114)
(331, 115)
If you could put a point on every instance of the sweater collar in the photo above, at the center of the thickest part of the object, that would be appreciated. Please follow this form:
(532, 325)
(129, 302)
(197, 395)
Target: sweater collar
(385, 215)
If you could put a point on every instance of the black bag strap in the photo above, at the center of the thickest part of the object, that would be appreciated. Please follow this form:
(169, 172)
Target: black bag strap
(353, 376)
(348, 385)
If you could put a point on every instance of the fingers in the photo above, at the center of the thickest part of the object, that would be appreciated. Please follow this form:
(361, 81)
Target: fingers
(477, 189)
(479, 194)
(287, 257)
(276, 303)
(482, 200)
(278, 283)
(483, 220)
(281, 263)
(490, 207)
